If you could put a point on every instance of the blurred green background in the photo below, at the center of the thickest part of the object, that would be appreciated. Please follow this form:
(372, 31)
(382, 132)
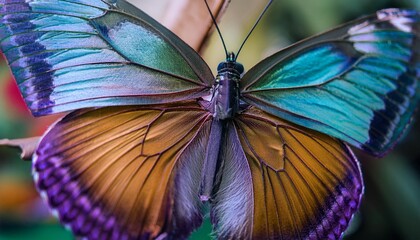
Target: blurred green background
(391, 204)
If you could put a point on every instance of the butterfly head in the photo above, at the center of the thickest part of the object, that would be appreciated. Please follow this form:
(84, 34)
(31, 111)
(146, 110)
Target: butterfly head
(230, 65)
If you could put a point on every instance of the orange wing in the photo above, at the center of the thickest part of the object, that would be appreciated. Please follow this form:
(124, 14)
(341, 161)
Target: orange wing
(281, 181)
(125, 172)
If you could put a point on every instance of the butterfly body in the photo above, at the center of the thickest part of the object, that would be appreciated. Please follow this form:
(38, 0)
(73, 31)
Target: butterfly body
(226, 97)
(224, 105)
(152, 134)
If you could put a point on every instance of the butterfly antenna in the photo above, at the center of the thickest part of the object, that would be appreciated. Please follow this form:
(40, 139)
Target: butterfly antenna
(252, 29)
(217, 27)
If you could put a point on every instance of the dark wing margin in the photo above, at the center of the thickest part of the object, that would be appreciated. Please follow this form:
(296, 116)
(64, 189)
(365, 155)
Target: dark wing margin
(280, 181)
(358, 82)
(72, 54)
(125, 172)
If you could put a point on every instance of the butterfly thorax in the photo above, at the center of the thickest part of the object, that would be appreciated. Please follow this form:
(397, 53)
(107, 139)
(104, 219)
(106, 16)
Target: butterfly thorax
(226, 89)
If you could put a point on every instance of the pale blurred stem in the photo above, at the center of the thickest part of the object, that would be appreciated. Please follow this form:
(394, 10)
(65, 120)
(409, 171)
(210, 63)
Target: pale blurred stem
(26, 145)
(189, 19)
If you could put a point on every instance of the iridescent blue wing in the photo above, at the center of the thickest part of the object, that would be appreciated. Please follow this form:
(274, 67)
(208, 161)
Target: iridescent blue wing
(282, 181)
(71, 54)
(358, 82)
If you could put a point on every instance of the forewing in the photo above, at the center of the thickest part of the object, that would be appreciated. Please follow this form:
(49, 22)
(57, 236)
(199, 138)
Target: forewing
(281, 181)
(359, 82)
(125, 172)
(72, 54)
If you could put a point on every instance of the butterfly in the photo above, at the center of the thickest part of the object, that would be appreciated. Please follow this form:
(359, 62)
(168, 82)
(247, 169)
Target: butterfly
(152, 136)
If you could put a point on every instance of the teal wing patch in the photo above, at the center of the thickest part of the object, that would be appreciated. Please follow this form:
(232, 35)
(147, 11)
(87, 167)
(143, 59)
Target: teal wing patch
(358, 82)
(71, 54)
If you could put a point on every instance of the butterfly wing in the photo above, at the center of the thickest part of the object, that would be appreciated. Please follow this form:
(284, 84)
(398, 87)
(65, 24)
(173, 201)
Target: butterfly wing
(72, 54)
(280, 181)
(125, 172)
(358, 82)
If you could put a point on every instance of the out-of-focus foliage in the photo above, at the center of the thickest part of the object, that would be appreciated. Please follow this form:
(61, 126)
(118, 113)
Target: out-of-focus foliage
(390, 208)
